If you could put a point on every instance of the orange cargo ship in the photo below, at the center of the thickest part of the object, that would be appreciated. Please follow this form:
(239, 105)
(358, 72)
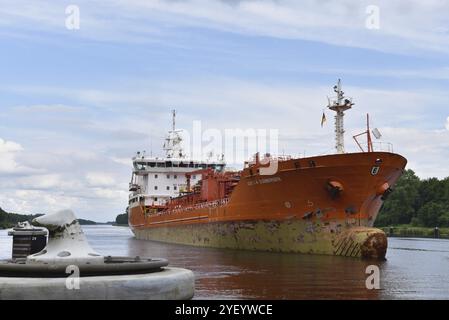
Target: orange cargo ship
(322, 204)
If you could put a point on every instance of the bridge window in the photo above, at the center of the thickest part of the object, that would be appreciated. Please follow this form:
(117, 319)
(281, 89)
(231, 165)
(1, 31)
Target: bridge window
(168, 188)
(155, 187)
(155, 176)
(168, 176)
(175, 177)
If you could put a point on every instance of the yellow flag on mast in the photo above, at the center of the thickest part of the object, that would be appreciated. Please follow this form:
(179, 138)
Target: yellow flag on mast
(323, 119)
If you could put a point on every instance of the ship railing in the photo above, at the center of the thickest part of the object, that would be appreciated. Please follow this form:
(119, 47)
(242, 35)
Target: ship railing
(282, 158)
(382, 146)
(202, 205)
(266, 159)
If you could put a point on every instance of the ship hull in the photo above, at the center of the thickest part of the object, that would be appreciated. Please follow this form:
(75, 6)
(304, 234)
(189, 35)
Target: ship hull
(294, 236)
(320, 205)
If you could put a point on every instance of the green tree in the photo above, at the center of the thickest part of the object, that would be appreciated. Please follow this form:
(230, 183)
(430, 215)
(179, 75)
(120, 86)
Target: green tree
(430, 190)
(399, 208)
(432, 214)
(122, 219)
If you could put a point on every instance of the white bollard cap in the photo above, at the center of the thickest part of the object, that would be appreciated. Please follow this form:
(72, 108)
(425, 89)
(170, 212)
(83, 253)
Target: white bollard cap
(67, 243)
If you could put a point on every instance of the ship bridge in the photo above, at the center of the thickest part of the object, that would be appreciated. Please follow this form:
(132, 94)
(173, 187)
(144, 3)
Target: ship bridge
(155, 180)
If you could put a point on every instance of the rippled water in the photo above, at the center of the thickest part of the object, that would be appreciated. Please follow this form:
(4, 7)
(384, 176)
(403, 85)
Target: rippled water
(415, 269)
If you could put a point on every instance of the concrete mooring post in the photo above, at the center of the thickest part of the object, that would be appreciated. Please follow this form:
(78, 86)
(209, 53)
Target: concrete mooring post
(391, 231)
(436, 232)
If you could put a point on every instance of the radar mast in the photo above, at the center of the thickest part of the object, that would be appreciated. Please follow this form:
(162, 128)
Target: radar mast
(172, 145)
(339, 104)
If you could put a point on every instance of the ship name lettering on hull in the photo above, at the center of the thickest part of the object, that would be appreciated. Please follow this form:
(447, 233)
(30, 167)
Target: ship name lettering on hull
(264, 181)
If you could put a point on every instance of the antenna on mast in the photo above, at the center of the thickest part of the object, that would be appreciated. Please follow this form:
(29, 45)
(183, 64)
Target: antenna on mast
(151, 145)
(339, 105)
(172, 145)
(173, 119)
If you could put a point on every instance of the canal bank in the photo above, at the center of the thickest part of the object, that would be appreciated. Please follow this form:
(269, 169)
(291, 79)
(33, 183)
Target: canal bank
(406, 231)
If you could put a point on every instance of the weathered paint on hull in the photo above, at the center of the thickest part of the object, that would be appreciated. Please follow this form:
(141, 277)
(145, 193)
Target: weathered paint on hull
(290, 211)
(293, 236)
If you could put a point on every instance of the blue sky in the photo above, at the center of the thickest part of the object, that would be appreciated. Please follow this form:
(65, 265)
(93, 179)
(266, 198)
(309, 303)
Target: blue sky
(76, 104)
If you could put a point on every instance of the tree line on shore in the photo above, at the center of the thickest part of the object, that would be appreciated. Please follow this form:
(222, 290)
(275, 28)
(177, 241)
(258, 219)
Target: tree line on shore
(416, 202)
(8, 220)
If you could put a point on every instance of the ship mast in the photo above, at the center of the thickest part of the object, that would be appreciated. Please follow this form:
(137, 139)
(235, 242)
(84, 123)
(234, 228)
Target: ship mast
(340, 104)
(172, 145)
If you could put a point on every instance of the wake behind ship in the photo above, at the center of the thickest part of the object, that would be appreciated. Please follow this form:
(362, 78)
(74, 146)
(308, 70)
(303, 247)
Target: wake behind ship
(320, 205)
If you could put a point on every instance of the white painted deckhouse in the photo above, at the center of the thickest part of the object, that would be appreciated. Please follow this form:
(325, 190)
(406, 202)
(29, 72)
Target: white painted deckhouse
(155, 180)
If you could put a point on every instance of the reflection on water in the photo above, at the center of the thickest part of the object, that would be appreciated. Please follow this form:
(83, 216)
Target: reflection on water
(415, 269)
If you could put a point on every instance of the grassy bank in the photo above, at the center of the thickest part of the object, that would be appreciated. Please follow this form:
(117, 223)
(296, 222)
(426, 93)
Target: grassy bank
(415, 232)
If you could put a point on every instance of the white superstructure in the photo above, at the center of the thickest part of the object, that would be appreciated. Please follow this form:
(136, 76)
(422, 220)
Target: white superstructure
(155, 180)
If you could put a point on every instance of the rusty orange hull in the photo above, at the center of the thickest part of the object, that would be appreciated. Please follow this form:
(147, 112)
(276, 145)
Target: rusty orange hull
(324, 205)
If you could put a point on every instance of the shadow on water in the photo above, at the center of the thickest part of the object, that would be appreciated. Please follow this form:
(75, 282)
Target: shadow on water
(415, 269)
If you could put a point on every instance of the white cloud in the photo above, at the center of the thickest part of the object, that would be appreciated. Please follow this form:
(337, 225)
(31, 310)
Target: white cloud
(404, 24)
(56, 108)
(9, 146)
(52, 182)
(65, 178)
(447, 123)
(8, 151)
(100, 179)
(425, 150)
(42, 182)
(124, 161)
(35, 201)
(108, 194)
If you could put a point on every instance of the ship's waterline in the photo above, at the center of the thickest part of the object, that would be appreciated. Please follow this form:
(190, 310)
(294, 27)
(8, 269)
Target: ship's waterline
(292, 236)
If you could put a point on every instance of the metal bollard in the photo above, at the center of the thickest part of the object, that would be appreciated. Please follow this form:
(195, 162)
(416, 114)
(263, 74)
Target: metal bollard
(27, 240)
